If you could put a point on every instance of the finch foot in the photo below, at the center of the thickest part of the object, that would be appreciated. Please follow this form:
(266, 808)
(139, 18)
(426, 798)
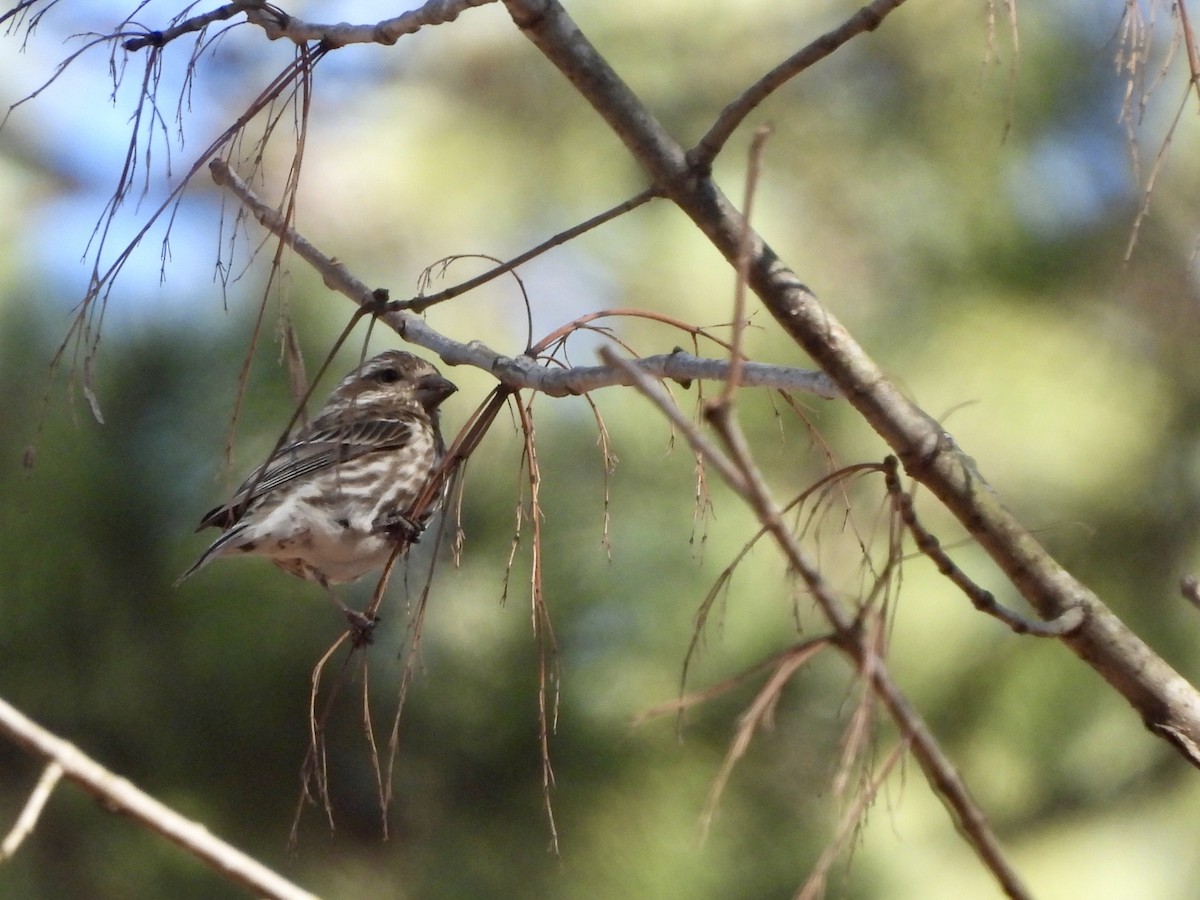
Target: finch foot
(400, 527)
(362, 627)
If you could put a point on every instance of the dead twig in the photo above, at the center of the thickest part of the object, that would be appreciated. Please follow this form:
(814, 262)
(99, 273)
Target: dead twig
(981, 599)
(868, 18)
(735, 465)
(32, 810)
(522, 372)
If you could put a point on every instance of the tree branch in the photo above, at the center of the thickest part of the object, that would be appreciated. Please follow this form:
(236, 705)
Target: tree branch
(522, 372)
(735, 467)
(866, 19)
(420, 304)
(192, 25)
(276, 24)
(118, 795)
(981, 599)
(1168, 704)
(32, 810)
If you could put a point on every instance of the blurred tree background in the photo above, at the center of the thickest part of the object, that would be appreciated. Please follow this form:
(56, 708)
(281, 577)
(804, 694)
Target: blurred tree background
(965, 216)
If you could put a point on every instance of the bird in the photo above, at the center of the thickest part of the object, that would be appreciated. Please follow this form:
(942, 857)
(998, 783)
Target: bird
(331, 503)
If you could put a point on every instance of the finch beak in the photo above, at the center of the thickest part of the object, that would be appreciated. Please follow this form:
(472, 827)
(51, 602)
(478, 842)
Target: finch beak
(433, 389)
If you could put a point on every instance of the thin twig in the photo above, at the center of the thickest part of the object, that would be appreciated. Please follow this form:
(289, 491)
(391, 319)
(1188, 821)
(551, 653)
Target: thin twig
(814, 886)
(981, 599)
(1189, 43)
(758, 715)
(198, 23)
(868, 18)
(32, 810)
(84, 332)
(542, 627)
(742, 268)
(726, 575)
(420, 304)
(686, 701)
(735, 467)
(313, 769)
(386, 32)
(520, 372)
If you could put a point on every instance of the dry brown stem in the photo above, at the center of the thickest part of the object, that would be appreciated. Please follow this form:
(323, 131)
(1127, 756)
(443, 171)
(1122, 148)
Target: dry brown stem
(736, 467)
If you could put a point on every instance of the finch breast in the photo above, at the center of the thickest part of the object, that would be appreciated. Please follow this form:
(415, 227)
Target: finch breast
(325, 528)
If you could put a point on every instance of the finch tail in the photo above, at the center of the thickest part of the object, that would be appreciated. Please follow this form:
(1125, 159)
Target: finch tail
(214, 550)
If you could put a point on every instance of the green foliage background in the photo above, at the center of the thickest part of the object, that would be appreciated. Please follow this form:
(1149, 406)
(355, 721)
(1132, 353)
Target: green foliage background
(967, 225)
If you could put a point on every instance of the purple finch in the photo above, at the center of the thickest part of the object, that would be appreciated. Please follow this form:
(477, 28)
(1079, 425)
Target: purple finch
(331, 503)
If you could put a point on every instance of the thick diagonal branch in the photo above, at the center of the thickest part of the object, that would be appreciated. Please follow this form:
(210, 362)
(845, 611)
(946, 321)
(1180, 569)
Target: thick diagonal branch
(1167, 703)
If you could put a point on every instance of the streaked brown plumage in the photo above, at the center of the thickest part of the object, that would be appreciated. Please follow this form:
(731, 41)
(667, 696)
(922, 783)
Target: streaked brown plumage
(326, 506)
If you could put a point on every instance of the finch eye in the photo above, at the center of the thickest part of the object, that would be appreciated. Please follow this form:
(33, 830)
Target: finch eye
(387, 376)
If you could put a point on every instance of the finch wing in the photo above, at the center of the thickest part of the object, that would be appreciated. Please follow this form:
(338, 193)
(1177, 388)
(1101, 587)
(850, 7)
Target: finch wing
(329, 441)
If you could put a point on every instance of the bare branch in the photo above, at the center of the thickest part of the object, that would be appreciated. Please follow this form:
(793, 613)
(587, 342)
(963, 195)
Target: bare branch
(849, 635)
(515, 372)
(1168, 703)
(32, 811)
(194, 24)
(753, 173)
(276, 24)
(868, 18)
(116, 794)
(420, 304)
(982, 600)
